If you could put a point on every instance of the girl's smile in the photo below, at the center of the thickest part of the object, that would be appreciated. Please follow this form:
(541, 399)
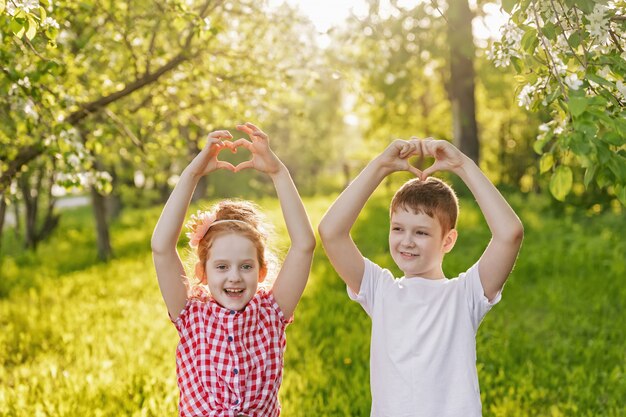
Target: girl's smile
(232, 270)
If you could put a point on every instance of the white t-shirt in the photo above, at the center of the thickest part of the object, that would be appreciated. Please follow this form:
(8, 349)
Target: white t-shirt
(423, 347)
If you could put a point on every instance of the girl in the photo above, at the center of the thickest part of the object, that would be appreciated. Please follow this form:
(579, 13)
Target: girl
(232, 338)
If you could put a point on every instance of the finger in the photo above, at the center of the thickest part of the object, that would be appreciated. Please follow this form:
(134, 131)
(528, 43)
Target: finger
(213, 144)
(430, 146)
(429, 171)
(245, 129)
(405, 150)
(260, 135)
(224, 134)
(415, 171)
(242, 142)
(256, 131)
(225, 165)
(251, 126)
(244, 165)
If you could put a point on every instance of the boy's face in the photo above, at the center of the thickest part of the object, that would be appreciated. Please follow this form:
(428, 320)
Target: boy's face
(417, 243)
(232, 271)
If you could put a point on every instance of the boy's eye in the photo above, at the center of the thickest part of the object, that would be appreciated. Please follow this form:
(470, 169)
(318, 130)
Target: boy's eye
(396, 229)
(421, 233)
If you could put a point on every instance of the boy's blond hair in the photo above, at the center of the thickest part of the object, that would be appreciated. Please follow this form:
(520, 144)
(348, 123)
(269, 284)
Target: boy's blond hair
(432, 197)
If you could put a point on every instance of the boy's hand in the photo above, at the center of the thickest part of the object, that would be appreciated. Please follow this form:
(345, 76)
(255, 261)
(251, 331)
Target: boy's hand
(447, 156)
(263, 159)
(396, 156)
(206, 161)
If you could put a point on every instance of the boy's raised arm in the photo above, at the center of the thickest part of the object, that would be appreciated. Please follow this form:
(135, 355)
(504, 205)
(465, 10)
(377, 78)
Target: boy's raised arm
(507, 230)
(336, 224)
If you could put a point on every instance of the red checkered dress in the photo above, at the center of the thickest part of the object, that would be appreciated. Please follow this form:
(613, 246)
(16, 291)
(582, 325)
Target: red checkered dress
(230, 362)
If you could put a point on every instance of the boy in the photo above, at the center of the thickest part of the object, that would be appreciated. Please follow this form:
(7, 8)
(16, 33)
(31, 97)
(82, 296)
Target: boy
(423, 347)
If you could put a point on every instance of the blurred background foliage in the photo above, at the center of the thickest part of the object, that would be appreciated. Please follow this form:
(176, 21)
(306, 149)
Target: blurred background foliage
(112, 99)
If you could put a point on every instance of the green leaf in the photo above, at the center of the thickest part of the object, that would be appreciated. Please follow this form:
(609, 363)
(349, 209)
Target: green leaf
(585, 5)
(32, 28)
(508, 5)
(561, 182)
(574, 40)
(546, 162)
(530, 41)
(540, 143)
(577, 105)
(17, 27)
(589, 174)
(599, 80)
(613, 138)
(549, 30)
(517, 64)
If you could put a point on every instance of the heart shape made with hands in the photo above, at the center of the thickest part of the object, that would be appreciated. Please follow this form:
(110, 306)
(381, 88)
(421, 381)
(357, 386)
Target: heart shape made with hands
(233, 147)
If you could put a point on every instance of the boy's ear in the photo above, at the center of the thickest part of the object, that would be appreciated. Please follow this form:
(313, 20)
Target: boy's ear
(200, 272)
(449, 240)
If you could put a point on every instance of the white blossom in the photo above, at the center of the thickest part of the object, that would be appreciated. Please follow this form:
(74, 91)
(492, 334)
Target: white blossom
(74, 160)
(605, 73)
(30, 111)
(50, 22)
(24, 82)
(12, 6)
(598, 26)
(524, 98)
(559, 66)
(621, 87)
(573, 82)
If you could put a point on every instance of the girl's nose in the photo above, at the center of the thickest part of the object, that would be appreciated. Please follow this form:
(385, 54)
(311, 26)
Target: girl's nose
(234, 276)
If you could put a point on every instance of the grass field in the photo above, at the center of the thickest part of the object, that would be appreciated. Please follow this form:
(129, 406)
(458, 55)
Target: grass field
(81, 338)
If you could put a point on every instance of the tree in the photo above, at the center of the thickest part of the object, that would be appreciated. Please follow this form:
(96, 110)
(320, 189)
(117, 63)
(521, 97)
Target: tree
(570, 58)
(125, 79)
(462, 75)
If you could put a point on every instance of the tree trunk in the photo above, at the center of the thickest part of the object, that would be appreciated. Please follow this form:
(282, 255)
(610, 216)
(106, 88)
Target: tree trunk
(102, 225)
(32, 187)
(462, 76)
(3, 209)
(30, 196)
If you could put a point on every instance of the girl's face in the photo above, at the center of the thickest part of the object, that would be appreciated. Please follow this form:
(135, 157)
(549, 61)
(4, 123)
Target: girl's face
(233, 272)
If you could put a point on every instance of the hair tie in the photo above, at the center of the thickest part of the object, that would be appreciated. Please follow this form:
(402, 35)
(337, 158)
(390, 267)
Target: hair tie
(200, 223)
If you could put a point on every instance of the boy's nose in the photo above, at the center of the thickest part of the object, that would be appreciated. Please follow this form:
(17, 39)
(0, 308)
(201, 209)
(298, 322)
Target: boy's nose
(407, 241)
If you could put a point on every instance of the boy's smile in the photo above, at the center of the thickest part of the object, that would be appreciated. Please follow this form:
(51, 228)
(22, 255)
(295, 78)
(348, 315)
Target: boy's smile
(417, 245)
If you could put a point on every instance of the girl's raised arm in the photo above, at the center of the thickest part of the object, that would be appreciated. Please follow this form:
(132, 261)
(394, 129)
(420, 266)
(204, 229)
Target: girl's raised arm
(169, 267)
(295, 270)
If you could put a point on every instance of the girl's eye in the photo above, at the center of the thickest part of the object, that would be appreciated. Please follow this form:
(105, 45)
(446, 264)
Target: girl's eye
(222, 267)
(247, 267)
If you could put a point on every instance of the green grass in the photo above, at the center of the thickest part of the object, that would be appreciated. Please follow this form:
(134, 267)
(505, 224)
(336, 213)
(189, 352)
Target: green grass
(86, 338)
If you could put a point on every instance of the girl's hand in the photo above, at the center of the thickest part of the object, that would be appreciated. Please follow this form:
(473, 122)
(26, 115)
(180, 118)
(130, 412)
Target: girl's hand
(396, 156)
(447, 156)
(206, 161)
(263, 159)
